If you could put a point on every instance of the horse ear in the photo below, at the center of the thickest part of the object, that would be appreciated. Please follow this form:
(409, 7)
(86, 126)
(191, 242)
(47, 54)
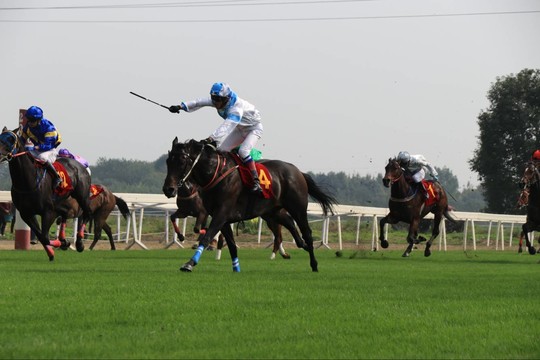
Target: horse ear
(4, 129)
(175, 141)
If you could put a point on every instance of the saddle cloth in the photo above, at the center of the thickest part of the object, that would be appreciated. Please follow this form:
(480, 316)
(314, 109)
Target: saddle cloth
(430, 190)
(95, 190)
(265, 178)
(66, 186)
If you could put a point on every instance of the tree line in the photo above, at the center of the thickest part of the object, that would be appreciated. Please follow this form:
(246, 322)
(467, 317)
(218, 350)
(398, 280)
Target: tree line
(136, 176)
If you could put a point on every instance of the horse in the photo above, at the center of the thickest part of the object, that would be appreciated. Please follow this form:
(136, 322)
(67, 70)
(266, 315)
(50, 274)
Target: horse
(531, 184)
(409, 205)
(190, 203)
(32, 191)
(101, 205)
(228, 200)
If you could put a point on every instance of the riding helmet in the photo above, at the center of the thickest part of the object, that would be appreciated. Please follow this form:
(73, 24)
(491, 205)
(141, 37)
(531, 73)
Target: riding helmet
(404, 157)
(34, 113)
(221, 89)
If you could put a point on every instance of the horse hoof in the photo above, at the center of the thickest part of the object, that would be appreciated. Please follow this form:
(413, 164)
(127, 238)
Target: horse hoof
(286, 256)
(65, 245)
(405, 254)
(186, 267)
(532, 250)
(520, 250)
(51, 258)
(427, 253)
(79, 246)
(384, 244)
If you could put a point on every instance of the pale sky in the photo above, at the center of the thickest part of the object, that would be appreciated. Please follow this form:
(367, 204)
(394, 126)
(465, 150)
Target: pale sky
(341, 85)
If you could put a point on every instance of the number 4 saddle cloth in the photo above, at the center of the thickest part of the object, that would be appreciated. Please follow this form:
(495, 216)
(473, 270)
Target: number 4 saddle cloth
(265, 178)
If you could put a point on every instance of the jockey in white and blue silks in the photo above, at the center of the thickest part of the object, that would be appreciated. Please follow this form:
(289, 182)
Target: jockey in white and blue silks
(242, 126)
(417, 166)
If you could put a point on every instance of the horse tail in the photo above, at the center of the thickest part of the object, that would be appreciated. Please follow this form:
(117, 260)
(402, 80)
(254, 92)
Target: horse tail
(124, 209)
(450, 216)
(326, 201)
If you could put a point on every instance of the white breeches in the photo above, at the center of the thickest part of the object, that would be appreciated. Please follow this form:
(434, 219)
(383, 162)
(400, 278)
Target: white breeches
(245, 137)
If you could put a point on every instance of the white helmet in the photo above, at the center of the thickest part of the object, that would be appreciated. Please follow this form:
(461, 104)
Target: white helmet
(403, 157)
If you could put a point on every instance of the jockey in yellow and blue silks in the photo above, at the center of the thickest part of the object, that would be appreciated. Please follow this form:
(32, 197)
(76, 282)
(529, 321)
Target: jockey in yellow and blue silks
(242, 126)
(44, 140)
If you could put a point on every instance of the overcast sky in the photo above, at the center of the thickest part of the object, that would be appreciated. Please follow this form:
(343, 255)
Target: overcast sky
(341, 85)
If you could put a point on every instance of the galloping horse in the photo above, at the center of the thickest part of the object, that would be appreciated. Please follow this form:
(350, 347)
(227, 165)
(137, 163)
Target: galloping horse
(33, 194)
(531, 182)
(409, 205)
(101, 205)
(227, 200)
(189, 203)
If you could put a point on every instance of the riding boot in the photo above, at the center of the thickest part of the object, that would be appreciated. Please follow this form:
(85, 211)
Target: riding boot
(57, 179)
(256, 188)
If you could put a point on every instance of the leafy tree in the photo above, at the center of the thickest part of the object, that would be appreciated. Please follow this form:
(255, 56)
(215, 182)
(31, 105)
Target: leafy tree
(509, 133)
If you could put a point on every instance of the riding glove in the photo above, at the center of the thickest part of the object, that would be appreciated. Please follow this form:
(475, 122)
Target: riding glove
(175, 109)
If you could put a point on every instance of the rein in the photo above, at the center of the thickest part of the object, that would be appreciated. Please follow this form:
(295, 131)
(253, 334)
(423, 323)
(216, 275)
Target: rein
(215, 180)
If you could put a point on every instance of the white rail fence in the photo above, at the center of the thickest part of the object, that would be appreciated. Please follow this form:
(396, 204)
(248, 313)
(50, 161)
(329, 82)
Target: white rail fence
(138, 203)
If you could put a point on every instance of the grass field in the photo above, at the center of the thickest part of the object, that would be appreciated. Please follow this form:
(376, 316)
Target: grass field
(137, 304)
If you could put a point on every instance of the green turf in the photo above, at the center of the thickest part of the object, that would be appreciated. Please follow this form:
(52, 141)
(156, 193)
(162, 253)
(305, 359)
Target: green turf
(137, 304)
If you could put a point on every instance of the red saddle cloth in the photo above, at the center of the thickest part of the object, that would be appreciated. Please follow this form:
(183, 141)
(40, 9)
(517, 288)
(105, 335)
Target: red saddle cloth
(66, 186)
(95, 190)
(433, 194)
(265, 178)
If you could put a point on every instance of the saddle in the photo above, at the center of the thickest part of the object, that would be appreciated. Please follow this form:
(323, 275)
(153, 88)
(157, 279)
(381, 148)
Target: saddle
(95, 190)
(66, 186)
(433, 195)
(265, 178)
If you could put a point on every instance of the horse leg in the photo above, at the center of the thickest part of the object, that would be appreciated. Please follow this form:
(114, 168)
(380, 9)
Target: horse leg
(173, 218)
(411, 238)
(32, 222)
(227, 232)
(204, 240)
(526, 228)
(221, 240)
(108, 231)
(301, 219)
(62, 235)
(382, 239)
(434, 233)
(520, 247)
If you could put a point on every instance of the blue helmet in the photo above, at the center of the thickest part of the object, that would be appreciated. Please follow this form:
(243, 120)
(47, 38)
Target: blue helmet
(221, 89)
(34, 113)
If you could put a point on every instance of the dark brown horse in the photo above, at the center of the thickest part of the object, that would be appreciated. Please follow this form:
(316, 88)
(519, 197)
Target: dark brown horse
(228, 201)
(531, 183)
(33, 194)
(101, 205)
(189, 203)
(408, 204)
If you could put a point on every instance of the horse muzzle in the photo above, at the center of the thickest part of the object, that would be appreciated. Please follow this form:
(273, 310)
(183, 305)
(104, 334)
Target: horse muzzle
(386, 182)
(169, 191)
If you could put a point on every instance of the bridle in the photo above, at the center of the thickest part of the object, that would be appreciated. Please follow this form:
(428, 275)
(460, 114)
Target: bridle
(221, 162)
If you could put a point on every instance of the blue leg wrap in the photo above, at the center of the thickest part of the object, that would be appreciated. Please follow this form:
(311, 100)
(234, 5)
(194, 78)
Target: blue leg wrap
(197, 254)
(236, 265)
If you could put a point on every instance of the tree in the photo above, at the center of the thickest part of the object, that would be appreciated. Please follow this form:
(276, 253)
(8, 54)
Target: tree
(509, 133)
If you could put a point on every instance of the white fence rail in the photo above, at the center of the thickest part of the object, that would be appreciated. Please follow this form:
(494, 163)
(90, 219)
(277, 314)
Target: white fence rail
(139, 202)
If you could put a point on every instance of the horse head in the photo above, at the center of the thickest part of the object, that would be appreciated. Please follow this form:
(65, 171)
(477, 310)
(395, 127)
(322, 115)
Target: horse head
(392, 172)
(182, 159)
(9, 144)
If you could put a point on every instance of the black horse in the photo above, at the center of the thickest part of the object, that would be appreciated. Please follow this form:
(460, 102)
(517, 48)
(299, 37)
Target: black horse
(33, 194)
(531, 183)
(408, 204)
(227, 200)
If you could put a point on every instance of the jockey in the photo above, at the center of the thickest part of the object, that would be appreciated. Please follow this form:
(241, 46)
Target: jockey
(42, 139)
(417, 166)
(66, 154)
(242, 126)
